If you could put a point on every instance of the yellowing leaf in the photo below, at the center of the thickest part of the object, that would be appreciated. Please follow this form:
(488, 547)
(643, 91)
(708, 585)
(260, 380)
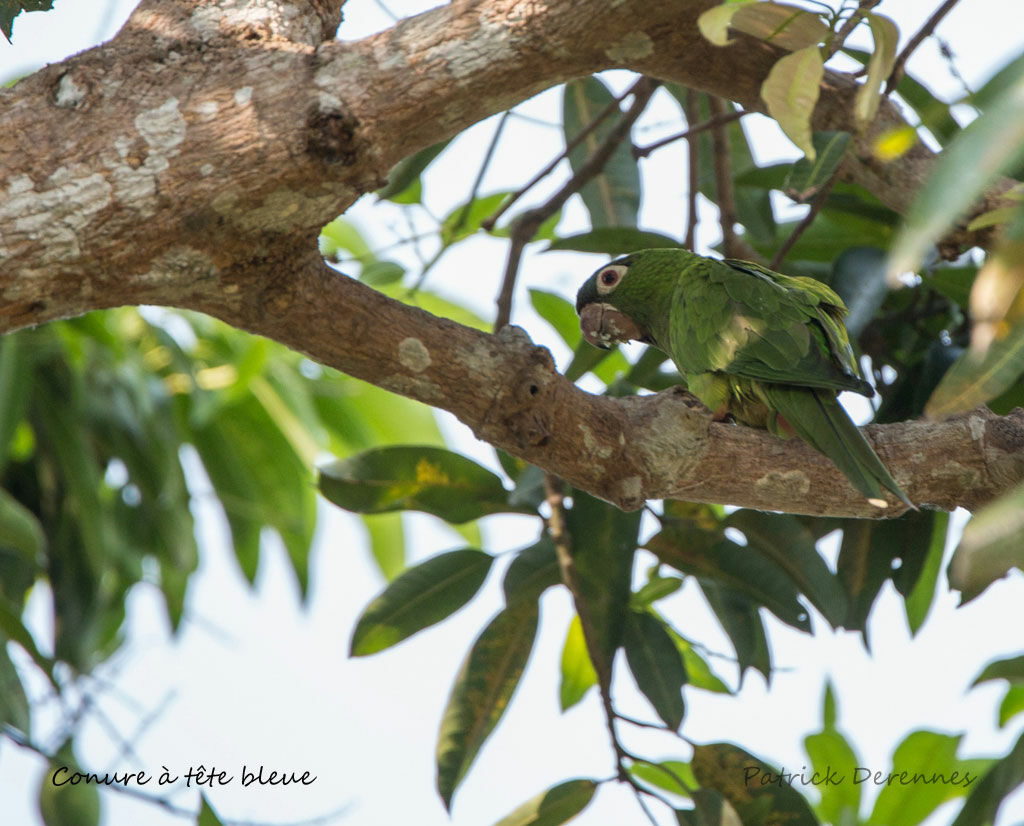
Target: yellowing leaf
(999, 215)
(714, 23)
(789, 27)
(780, 24)
(972, 381)
(791, 91)
(893, 143)
(997, 295)
(886, 36)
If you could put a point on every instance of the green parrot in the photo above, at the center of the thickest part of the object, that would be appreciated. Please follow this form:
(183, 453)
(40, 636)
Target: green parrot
(770, 349)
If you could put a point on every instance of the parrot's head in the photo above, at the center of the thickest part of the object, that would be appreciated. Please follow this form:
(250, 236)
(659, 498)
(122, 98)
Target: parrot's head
(621, 300)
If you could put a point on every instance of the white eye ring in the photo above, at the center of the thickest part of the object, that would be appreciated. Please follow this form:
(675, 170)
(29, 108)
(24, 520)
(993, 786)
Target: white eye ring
(608, 278)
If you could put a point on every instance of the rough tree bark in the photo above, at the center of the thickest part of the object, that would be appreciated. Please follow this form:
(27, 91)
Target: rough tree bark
(192, 160)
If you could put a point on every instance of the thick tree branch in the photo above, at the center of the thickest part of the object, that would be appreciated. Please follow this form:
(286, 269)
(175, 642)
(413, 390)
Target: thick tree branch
(625, 450)
(204, 128)
(192, 160)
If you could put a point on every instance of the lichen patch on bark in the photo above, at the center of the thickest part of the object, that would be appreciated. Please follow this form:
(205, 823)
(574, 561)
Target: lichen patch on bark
(412, 354)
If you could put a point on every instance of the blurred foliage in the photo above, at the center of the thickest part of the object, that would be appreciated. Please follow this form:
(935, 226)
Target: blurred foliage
(112, 425)
(9, 9)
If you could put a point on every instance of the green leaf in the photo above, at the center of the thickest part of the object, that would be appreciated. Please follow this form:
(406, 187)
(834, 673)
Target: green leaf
(613, 197)
(20, 529)
(742, 624)
(859, 276)
(791, 92)
(757, 576)
(387, 542)
(926, 773)
(342, 234)
(559, 313)
(698, 672)
(533, 570)
(657, 587)
(14, 708)
(482, 691)
(604, 540)
(406, 173)
(832, 230)
(614, 241)
(9, 9)
(207, 814)
(952, 282)
(557, 805)
(406, 477)
(786, 542)
(656, 665)
(873, 551)
(14, 630)
(919, 601)
(886, 36)
(465, 220)
(673, 776)
(419, 598)
(65, 803)
(1004, 777)
(607, 365)
(380, 273)
(1012, 704)
(831, 758)
(989, 146)
(577, 670)
(807, 176)
(709, 809)
(15, 382)
(1011, 669)
(740, 778)
(261, 482)
(992, 544)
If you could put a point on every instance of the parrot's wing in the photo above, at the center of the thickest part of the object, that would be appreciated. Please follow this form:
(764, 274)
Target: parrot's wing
(740, 318)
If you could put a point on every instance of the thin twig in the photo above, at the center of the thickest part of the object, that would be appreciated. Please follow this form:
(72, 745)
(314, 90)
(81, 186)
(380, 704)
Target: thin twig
(633, 721)
(489, 222)
(899, 65)
(710, 123)
(525, 226)
(460, 221)
(722, 164)
(693, 169)
(847, 28)
(816, 205)
(639, 792)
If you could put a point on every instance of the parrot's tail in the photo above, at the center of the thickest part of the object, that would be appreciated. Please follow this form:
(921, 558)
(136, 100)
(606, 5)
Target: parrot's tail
(819, 419)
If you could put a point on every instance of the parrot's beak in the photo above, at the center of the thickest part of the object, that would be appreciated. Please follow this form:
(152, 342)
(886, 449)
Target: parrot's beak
(604, 326)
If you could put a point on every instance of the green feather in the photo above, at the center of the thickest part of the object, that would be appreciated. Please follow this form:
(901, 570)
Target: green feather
(751, 341)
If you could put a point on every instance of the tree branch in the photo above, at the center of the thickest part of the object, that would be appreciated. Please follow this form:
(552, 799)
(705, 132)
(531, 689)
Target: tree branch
(207, 151)
(624, 450)
(199, 136)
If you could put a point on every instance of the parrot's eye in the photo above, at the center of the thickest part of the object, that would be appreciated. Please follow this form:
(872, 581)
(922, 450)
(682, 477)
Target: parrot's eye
(608, 279)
